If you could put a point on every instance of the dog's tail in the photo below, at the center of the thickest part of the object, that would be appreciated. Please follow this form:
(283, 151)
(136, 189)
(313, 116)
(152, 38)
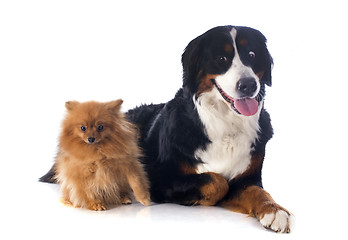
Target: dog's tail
(49, 177)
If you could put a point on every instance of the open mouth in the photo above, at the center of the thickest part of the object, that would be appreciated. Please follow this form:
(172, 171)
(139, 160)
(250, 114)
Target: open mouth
(244, 106)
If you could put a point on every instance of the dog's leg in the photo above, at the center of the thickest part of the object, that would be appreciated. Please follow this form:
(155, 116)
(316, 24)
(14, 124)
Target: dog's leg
(213, 191)
(77, 196)
(139, 184)
(191, 189)
(140, 190)
(257, 202)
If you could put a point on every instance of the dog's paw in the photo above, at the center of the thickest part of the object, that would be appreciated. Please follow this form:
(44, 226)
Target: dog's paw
(145, 201)
(126, 200)
(96, 207)
(143, 197)
(214, 190)
(66, 202)
(278, 221)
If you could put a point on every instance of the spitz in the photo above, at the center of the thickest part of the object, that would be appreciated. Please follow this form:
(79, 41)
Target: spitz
(98, 159)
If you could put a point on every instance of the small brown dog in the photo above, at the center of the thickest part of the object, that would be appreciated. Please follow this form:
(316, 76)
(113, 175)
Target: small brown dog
(97, 162)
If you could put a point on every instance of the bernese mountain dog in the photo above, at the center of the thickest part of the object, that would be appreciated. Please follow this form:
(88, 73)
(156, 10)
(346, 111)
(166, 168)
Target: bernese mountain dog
(207, 145)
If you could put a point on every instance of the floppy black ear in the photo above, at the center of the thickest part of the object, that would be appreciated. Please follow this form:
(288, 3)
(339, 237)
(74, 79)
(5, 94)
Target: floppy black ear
(267, 64)
(267, 76)
(190, 64)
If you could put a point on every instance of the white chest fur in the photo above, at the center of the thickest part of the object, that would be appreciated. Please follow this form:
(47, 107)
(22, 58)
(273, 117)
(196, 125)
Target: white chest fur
(231, 136)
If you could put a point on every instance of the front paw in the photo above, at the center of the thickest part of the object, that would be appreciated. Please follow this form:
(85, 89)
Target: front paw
(145, 200)
(278, 220)
(143, 197)
(126, 200)
(66, 202)
(96, 206)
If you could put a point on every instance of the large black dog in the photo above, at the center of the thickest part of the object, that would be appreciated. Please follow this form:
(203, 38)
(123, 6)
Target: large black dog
(207, 145)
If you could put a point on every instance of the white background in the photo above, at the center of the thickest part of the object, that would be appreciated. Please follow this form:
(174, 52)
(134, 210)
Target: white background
(55, 51)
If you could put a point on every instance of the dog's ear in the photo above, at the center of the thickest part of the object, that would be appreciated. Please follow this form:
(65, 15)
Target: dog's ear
(190, 64)
(268, 63)
(114, 106)
(267, 76)
(71, 105)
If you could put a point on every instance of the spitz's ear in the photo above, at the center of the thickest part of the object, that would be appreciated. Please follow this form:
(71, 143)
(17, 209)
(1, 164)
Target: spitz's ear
(114, 106)
(71, 105)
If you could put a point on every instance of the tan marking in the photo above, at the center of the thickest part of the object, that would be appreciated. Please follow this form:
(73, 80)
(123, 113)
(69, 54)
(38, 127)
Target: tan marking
(229, 48)
(243, 42)
(253, 201)
(187, 169)
(254, 166)
(214, 191)
(260, 74)
(205, 84)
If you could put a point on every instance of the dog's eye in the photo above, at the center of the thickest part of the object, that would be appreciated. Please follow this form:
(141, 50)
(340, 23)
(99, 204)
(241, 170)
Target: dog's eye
(83, 128)
(222, 59)
(100, 128)
(251, 54)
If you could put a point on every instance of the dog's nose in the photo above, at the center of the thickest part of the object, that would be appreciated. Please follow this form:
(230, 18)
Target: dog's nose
(91, 139)
(247, 86)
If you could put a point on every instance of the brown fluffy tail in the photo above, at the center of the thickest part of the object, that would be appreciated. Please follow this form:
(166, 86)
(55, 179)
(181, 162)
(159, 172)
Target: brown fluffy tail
(49, 177)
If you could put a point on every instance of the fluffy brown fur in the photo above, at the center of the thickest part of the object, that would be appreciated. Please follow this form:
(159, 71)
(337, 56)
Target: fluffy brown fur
(97, 162)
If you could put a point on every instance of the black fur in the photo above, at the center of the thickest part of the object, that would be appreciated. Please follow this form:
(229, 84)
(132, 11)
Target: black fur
(171, 136)
(169, 142)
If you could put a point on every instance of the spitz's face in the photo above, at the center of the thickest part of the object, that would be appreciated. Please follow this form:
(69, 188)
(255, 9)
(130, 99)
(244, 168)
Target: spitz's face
(92, 122)
(91, 132)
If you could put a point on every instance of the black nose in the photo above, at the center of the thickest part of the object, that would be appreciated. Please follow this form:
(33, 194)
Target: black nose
(247, 86)
(91, 139)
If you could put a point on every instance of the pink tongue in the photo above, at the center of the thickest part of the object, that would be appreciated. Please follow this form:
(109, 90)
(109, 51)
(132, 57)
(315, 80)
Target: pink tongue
(246, 106)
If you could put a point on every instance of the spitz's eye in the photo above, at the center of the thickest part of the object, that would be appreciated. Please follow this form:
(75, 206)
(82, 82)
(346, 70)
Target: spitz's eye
(100, 128)
(83, 128)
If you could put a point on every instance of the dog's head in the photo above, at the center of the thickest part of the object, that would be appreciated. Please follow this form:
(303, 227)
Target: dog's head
(233, 61)
(91, 122)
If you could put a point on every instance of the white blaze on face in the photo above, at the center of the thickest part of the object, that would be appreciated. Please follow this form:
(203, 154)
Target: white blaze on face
(229, 81)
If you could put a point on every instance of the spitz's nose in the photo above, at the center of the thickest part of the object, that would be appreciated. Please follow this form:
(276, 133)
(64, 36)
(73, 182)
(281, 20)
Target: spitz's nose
(91, 139)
